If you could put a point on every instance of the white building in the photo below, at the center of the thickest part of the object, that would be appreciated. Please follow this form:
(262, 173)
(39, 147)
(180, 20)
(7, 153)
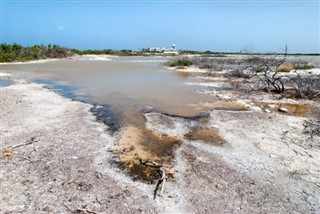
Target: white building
(171, 50)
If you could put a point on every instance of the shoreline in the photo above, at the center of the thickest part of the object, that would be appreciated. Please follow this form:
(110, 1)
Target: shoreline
(89, 57)
(32, 61)
(108, 57)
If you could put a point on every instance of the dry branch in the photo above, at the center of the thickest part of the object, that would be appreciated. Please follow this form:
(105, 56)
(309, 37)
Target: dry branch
(32, 140)
(161, 181)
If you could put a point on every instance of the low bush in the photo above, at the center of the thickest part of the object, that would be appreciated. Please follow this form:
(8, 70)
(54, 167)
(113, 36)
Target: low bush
(6, 57)
(285, 68)
(181, 62)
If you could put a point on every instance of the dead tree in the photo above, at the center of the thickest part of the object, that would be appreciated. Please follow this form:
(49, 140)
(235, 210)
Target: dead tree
(267, 70)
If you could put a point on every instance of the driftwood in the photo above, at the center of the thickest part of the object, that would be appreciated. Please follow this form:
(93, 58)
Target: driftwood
(79, 210)
(162, 180)
(32, 140)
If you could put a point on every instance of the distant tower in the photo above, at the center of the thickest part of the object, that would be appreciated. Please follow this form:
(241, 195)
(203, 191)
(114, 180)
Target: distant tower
(173, 46)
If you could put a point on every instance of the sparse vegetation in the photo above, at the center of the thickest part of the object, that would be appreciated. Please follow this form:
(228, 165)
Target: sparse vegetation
(272, 72)
(306, 86)
(180, 62)
(272, 78)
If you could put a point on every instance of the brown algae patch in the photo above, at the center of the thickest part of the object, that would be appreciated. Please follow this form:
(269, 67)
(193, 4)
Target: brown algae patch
(207, 135)
(294, 109)
(226, 105)
(140, 144)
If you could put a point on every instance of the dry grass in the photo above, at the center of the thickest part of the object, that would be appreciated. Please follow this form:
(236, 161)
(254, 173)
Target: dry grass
(286, 67)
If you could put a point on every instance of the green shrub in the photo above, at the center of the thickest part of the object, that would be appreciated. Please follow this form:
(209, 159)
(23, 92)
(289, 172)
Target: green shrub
(181, 62)
(6, 57)
(25, 58)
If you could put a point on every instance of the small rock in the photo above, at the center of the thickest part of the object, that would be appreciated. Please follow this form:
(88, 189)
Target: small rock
(267, 111)
(98, 175)
(256, 108)
(284, 110)
(48, 208)
(272, 106)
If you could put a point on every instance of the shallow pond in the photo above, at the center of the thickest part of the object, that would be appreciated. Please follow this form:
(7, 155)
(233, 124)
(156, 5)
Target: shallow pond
(126, 84)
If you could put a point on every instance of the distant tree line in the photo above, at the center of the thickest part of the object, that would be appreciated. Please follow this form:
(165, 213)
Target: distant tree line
(15, 52)
(124, 52)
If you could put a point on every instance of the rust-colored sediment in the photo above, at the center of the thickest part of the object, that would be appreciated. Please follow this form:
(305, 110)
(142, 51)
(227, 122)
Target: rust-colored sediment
(141, 144)
(210, 136)
(298, 110)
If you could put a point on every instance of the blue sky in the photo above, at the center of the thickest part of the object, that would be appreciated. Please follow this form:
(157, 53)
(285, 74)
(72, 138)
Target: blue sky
(261, 25)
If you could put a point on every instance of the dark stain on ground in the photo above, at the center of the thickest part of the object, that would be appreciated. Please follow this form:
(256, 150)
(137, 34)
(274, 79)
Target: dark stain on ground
(62, 89)
(143, 172)
(106, 115)
(162, 146)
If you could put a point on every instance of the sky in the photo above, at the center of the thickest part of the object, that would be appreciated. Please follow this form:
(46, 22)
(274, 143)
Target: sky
(215, 25)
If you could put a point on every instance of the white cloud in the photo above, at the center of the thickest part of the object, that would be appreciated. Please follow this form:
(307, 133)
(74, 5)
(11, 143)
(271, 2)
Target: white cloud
(60, 28)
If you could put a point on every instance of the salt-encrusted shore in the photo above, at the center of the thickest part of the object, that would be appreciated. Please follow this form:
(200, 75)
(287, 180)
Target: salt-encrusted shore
(56, 158)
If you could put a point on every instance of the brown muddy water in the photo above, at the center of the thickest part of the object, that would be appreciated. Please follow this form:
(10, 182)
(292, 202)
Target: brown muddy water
(127, 85)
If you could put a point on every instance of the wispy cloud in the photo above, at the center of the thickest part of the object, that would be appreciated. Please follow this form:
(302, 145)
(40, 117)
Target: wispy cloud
(60, 28)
